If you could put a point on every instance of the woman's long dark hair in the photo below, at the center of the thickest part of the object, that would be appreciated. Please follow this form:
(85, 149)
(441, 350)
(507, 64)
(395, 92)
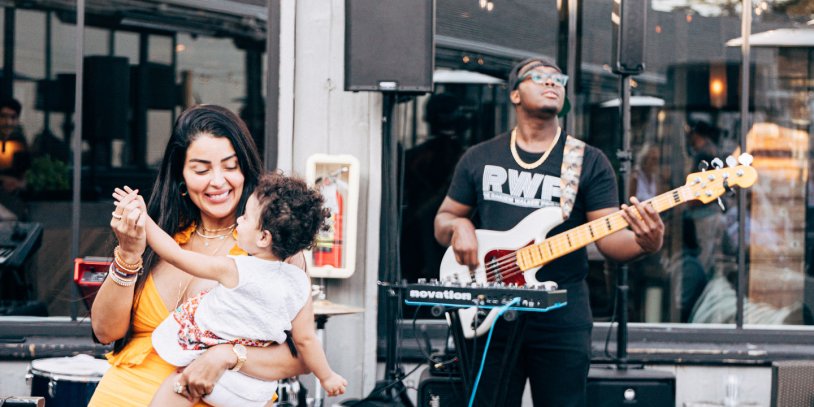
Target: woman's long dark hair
(173, 212)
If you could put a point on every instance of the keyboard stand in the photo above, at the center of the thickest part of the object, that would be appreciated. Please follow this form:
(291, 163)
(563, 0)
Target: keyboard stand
(461, 349)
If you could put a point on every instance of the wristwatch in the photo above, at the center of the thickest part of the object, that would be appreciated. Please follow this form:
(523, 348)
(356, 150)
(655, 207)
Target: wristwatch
(240, 352)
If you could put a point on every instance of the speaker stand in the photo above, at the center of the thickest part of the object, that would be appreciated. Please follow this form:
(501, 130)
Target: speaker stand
(390, 391)
(625, 157)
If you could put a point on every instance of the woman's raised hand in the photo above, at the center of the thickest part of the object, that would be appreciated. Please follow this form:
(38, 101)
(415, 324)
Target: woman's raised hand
(127, 222)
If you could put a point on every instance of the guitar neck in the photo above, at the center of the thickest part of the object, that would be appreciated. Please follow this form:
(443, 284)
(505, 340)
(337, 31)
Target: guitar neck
(566, 242)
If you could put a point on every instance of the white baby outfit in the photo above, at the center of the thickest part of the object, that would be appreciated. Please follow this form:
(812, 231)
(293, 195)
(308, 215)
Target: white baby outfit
(256, 312)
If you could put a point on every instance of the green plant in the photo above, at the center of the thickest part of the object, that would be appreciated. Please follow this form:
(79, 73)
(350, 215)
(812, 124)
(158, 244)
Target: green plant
(47, 174)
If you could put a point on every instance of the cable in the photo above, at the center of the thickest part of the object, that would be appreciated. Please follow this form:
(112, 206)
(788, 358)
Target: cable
(502, 310)
(435, 363)
(610, 328)
(383, 389)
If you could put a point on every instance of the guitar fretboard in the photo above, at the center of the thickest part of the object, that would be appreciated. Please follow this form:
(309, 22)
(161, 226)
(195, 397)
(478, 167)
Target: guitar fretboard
(571, 240)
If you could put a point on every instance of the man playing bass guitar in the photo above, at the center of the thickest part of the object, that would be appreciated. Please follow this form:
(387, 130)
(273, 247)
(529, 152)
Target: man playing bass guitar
(498, 183)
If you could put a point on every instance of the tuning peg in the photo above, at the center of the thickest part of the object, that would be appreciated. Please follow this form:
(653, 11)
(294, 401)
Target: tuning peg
(745, 159)
(721, 204)
(717, 163)
(731, 162)
(703, 165)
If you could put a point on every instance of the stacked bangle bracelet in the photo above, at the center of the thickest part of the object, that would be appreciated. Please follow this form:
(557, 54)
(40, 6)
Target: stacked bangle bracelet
(123, 273)
(128, 268)
(117, 277)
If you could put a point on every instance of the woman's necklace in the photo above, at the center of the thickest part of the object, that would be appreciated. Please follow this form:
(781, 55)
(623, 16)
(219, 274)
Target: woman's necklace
(210, 231)
(182, 291)
(207, 238)
(531, 166)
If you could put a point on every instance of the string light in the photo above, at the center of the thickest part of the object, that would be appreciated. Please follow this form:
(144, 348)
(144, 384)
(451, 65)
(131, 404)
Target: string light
(488, 5)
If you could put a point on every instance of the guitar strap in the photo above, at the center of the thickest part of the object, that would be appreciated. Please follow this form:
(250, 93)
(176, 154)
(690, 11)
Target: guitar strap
(569, 173)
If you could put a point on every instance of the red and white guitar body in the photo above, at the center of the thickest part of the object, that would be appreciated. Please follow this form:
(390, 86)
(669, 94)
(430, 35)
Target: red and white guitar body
(493, 245)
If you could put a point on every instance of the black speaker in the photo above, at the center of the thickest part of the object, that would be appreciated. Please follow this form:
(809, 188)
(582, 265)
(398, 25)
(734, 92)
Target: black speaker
(793, 383)
(629, 19)
(160, 91)
(630, 387)
(389, 45)
(105, 99)
(440, 391)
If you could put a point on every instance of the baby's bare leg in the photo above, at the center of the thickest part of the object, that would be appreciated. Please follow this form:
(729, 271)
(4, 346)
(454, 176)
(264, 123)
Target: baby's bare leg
(166, 395)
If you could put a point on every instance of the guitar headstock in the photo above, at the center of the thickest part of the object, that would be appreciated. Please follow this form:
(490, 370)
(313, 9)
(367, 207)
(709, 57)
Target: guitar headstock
(706, 186)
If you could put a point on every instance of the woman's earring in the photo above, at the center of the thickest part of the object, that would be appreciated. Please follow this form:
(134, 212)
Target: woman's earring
(183, 188)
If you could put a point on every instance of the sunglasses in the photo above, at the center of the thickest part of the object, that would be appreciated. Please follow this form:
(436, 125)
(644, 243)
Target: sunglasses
(541, 78)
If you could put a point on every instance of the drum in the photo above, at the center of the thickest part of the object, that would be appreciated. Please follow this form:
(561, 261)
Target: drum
(66, 382)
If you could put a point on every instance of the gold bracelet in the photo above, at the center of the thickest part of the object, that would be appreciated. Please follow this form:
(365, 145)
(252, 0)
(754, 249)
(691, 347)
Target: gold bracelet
(120, 281)
(124, 264)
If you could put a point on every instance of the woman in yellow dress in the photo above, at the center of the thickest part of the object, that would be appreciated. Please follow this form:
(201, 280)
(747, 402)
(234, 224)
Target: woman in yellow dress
(210, 167)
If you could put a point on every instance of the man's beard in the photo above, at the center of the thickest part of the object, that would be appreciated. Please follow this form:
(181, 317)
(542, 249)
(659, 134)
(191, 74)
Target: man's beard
(546, 112)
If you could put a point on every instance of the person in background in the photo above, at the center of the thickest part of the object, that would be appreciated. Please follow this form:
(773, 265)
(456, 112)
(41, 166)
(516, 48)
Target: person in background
(15, 158)
(428, 170)
(499, 182)
(14, 155)
(210, 167)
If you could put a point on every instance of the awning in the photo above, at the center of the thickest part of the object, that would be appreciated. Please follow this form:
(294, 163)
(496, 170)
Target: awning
(462, 76)
(781, 37)
(635, 101)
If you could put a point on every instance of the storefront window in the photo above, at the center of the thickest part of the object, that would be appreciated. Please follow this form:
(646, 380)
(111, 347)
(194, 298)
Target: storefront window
(779, 279)
(138, 76)
(35, 160)
(684, 111)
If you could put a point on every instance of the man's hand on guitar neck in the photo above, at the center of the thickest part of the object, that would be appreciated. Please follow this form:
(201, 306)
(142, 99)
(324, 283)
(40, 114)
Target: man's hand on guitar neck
(648, 229)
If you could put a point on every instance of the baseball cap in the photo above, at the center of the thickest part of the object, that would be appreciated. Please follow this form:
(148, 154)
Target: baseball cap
(535, 62)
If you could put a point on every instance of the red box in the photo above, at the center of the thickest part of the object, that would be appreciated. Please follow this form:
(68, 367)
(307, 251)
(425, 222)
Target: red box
(88, 274)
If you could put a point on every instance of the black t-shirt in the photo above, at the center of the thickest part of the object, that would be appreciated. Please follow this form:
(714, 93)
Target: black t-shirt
(488, 179)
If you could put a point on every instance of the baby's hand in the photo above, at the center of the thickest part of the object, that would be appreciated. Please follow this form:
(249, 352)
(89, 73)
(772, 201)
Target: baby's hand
(128, 195)
(334, 384)
(120, 193)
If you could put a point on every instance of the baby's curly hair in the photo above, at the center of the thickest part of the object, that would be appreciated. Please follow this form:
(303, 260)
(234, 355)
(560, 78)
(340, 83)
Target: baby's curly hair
(291, 211)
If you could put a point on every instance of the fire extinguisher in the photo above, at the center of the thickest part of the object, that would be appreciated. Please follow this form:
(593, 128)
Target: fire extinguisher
(328, 248)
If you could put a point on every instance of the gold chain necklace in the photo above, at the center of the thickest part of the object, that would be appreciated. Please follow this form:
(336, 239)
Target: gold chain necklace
(208, 231)
(208, 237)
(520, 162)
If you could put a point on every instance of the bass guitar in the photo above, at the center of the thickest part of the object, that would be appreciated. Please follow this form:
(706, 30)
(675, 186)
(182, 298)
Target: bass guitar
(513, 257)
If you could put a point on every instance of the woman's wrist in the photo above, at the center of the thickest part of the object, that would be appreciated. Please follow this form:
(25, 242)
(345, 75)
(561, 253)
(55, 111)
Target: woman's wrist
(226, 357)
(129, 256)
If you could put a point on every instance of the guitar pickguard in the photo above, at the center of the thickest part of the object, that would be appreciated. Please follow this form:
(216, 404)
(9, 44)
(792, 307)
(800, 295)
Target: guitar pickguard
(508, 273)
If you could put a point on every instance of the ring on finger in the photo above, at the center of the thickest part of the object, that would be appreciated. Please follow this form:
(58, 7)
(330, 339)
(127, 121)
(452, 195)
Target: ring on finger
(115, 215)
(179, 388)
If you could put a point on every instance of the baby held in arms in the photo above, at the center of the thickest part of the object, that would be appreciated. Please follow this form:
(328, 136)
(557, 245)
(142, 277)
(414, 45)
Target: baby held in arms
(259, 298)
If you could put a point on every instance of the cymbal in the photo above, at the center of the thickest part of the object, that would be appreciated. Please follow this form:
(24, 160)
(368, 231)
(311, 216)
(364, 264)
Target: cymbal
(325, 307)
